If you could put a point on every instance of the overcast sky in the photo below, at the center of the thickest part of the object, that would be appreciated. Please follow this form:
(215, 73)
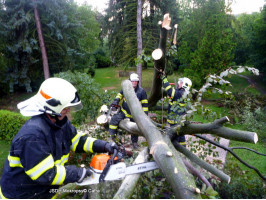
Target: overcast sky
(238, 6)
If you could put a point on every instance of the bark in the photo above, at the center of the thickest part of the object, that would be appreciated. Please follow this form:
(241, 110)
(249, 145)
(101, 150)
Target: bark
(129, 183)
(168, 159)
(42, 44)
(197, 173)
(216, 128)
(159, 62)
(139, 39)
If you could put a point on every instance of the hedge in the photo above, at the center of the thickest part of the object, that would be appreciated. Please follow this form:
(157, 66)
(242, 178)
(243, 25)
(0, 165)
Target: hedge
(10, 123)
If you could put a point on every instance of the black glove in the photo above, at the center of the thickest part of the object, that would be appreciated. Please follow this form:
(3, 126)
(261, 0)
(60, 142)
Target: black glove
(115, 103)
(85, 173)
(110, 146)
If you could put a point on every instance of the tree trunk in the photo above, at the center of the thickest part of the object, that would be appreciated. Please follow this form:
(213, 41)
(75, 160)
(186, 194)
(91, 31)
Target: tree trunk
(139, 39)
(159, 62)
(129, 183)
(169, 160)
(41, 41)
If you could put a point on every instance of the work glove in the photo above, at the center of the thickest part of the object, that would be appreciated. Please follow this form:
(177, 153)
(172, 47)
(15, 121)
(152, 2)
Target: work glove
(162, 75)
(85, 173)
(110, 147)
(114, 104)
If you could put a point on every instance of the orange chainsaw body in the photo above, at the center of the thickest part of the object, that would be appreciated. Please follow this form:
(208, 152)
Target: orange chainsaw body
(99, 161)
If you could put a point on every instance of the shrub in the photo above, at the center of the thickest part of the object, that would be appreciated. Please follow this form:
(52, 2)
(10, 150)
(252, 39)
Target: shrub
(92, 97)
(10, 123)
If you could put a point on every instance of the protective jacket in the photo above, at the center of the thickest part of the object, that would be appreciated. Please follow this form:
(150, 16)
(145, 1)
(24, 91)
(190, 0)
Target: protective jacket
(177, 104)
(35, 165)
(113, 125)
(141, 95)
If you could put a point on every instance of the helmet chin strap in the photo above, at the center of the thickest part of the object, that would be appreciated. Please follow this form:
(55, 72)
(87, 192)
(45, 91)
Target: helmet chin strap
(50, 112)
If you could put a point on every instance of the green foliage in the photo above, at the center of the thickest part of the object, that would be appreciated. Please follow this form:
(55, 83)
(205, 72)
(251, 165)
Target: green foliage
(92, 97)
(243, 185)
(10, 123)
(101, 59)
(206, 44)
(4, 151)
(70, 35)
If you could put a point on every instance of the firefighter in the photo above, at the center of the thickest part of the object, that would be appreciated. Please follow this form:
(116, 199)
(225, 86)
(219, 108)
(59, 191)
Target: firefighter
(177, 105)
(35, 167)
(125, 112)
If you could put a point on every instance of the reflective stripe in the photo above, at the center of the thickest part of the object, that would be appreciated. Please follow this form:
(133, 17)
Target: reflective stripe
(55, 196)
(88, 144)
(119, 96)
(60, 175)
(40, 168)
(75, 140)
(168, 87)
(171, 121)
(173, 93)
(62, 161)
(145, 108)
(182, 104)
(113, 127)
(182, 143)
(165, 80)
(1, 195)
(126, 114)
(14, 161)
(144, 101)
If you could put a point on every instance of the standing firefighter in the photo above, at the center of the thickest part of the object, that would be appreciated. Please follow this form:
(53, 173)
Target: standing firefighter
(177, 105)
(35, 166)
(125, 112)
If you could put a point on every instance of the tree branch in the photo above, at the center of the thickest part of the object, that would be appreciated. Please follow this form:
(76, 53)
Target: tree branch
(129, 183)
(216, 128)
(168, 160)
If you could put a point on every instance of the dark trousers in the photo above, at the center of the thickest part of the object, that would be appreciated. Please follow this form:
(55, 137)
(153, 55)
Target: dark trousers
(114, 125)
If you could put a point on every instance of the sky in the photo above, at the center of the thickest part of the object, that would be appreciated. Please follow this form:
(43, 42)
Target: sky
(238, 6)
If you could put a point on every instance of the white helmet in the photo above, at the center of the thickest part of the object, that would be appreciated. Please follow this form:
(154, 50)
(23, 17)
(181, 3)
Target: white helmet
(187, 83)
(134, 77)
(54, 95)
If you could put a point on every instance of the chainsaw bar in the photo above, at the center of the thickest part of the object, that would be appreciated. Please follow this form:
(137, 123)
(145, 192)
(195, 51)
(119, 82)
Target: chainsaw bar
(141, 168)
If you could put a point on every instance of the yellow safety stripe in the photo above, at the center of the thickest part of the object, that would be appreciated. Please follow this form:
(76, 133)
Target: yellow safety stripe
(145, 109)
(14, 161)
(182, 104)
(60, 175)
(88, 144)
(119, 96)
(168, 87)
(113, 127)
(182, 143)
(55, 196)
(171, 121)
(75, 140)
(62, 161)
(126, 114)
(1, 195)
(165, 80)
(173, 93)
(40, 168)
(144, 101)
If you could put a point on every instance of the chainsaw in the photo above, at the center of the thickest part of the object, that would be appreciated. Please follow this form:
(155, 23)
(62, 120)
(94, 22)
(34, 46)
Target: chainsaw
(109, 168)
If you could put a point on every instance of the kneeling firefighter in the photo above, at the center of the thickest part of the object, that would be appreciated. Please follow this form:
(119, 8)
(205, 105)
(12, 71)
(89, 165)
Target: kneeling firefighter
(35, 167)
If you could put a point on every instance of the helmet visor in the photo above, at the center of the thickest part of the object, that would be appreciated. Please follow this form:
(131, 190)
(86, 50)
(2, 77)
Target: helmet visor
(77, 107)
